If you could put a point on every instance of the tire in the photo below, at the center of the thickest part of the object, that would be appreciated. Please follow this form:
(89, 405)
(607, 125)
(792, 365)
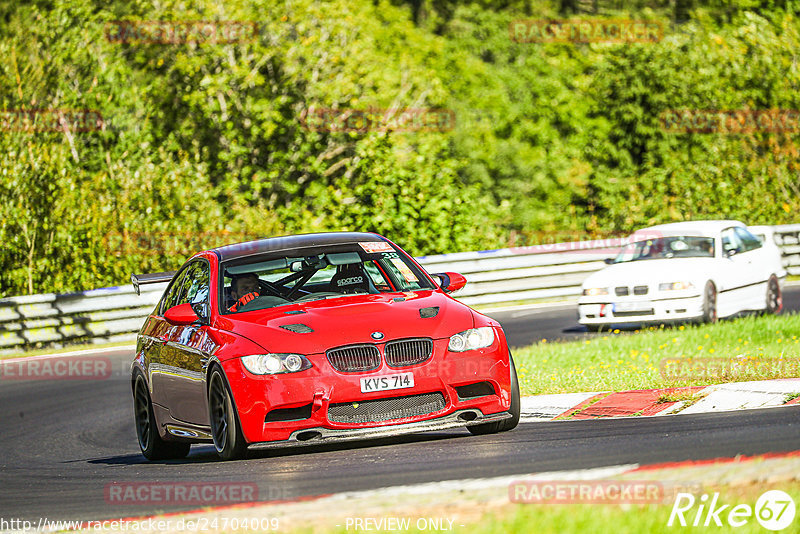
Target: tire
(710, 303)
(514, 410)
(774, 296)
(226, 430)
(153, 447)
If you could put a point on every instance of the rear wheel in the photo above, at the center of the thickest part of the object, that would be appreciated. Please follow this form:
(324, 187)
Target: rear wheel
(774, 296)
(153, 447)
(514, 410)
(710, 303)
(225, 428)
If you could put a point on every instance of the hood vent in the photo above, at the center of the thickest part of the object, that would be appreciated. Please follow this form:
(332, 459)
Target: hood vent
(298, 328)
(427, 313)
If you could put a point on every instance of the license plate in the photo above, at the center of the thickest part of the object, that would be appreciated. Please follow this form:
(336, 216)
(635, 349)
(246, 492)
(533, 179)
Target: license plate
(633, 306)
(386, 382)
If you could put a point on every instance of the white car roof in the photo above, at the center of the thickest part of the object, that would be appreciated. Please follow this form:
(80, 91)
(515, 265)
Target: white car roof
(691, 228)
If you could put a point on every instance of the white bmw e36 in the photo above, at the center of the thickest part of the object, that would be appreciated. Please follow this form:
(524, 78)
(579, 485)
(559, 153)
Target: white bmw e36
(698, 270)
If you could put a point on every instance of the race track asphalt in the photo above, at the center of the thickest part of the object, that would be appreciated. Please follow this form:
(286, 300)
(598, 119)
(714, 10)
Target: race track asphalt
(63, 442)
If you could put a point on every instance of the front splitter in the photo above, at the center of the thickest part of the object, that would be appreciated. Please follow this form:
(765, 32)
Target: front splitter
(319, 435)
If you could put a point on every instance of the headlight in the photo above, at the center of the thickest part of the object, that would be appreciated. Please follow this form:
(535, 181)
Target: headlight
(595, 291)
(474, 338)
(271, 364)
(675, 286)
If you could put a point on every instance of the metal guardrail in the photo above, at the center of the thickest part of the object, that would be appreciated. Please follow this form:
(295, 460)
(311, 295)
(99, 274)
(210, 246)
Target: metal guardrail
(494, 277)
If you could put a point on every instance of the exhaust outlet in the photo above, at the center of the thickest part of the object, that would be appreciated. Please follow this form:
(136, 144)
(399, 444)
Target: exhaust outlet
(308, 435)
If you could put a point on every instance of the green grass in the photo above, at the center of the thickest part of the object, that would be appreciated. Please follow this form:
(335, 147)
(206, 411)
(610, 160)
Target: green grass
(584, 518)
(750, 348)
(580, 518)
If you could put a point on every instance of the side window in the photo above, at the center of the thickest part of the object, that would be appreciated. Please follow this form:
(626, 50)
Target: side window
(171, 297)
(731, 241)
(196, 284)
(749, 241)
(195, 288)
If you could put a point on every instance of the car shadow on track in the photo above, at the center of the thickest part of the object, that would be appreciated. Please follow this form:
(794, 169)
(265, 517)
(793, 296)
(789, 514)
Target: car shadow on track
(203, 453)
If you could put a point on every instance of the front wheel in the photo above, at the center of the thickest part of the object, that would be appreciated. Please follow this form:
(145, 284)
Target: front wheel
(153, 447)
(710, 303)
(225, 428)
(514, 410)
(774, 296)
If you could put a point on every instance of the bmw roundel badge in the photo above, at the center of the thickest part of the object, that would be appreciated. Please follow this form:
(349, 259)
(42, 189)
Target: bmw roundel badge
(376, 335)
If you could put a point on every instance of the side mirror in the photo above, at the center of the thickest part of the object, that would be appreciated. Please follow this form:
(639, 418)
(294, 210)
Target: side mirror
(181, 315)
(731, 252)
(450, 282)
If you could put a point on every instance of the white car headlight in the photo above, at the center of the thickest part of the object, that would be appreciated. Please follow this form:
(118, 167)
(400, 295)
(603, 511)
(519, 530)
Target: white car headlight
(271, 364)
(670, 286)
(474, 338)
(595, 291)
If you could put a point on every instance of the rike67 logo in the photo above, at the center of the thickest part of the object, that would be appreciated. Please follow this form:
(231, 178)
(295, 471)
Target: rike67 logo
(774, 510)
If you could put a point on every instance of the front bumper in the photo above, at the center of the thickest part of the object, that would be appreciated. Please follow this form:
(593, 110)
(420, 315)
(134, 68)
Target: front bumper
(639, 310)
(312, 393)
(316, 435)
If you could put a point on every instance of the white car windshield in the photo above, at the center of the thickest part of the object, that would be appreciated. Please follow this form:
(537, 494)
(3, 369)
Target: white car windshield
(667, 247)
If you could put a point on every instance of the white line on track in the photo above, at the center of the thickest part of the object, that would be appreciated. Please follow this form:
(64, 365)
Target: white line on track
(99, 350)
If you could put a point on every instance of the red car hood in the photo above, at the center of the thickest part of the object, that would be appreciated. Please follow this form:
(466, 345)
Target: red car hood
(350, 319)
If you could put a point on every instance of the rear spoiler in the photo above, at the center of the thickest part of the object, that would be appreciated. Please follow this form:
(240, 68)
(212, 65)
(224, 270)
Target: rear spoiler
(150, 278)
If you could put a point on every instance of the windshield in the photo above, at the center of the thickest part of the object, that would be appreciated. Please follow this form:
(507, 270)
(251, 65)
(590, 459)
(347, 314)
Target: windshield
(317, 273)
(667, 247)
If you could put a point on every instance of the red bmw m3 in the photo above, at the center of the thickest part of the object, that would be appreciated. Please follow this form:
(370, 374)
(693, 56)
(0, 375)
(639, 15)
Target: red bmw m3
(311, 339)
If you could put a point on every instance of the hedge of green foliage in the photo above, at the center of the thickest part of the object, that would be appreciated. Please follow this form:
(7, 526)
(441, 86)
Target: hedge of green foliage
(205, 143)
